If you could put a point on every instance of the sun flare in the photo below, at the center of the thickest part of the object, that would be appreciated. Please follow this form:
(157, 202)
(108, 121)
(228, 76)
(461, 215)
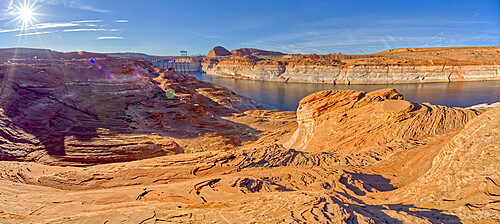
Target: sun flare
(25, 13)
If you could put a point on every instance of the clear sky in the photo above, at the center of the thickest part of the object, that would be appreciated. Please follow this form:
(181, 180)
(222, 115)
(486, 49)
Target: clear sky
(164, 27)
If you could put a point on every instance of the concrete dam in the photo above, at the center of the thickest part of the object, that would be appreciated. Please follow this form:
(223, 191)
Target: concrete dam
(184, 65)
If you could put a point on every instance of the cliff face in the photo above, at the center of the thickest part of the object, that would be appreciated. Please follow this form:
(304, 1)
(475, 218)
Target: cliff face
(355, 74)
(395, 66)
(90, 108)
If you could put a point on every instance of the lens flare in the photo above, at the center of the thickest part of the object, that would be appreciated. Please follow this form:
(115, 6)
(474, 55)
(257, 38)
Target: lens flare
(25, 13)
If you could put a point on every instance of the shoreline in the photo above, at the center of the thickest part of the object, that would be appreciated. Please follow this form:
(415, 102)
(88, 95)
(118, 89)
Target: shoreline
(343, 84)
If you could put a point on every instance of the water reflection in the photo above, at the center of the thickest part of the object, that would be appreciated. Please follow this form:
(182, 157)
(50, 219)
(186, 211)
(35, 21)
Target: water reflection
(286, 96)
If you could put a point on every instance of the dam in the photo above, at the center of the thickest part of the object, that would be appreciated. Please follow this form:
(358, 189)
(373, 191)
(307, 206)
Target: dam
(191, 65)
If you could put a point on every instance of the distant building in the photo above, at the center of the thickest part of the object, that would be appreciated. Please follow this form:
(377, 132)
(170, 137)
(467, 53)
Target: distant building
(184, 53)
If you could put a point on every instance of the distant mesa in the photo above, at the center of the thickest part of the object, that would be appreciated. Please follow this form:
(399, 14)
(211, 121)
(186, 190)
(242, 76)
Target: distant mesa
(218, 51)
(221, 51)
(255, 52)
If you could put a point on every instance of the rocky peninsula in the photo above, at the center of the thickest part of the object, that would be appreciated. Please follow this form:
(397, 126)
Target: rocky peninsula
(408, 65)
(89, 138)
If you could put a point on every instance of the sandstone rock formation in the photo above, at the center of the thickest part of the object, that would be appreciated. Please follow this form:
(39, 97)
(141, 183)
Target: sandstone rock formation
(465, 176)
(60, 107)
(415, 65)
(348, 120)
(218, 51)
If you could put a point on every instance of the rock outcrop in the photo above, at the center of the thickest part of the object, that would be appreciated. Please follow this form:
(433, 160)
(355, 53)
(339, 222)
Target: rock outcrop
(465, 176)
(90, 108)
(376, 123)
(218, 51)
(348, 120)
(416, 65)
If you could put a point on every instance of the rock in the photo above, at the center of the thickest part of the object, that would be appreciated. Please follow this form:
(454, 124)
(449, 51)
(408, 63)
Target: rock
(398, 106)
(464, 176)
(67, 110)
(351, 156)
(349, 120)
(418, 65)
(218, 51)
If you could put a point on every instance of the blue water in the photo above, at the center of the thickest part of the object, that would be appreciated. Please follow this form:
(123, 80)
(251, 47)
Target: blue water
(286, 96)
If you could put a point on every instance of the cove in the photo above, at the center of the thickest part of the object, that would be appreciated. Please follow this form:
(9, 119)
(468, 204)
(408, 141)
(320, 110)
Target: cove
(286, 96)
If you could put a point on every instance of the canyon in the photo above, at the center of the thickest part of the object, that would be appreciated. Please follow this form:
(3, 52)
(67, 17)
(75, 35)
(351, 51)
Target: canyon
(94, 138)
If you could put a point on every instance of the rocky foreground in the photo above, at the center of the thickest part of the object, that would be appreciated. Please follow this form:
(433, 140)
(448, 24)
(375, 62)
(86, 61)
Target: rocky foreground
(408, 65)
(82, 143)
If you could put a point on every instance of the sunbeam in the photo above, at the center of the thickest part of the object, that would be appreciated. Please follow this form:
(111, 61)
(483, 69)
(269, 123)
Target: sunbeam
(25, 12)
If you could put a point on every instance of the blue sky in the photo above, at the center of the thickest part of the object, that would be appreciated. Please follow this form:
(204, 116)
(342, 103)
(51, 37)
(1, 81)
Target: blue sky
(165, 27)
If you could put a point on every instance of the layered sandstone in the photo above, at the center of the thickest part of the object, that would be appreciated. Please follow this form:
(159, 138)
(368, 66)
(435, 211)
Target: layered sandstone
(415, 65)
(465, 176)
(349, 120)
(62, 108)
(268, 183)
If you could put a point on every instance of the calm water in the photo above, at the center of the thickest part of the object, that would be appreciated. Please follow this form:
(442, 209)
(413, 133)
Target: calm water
(286, 96)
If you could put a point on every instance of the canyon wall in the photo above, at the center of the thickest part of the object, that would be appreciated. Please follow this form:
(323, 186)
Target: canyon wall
(355, 74)
(388, 67)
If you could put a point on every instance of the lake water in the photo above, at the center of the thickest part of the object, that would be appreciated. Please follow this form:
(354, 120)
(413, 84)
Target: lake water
(286, 96)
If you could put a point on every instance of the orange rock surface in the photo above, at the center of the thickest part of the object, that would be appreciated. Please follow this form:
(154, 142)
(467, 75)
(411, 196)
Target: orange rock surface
(218, 51)
(343, 157)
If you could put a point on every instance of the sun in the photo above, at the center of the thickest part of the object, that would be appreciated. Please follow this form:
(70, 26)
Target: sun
(25, 12)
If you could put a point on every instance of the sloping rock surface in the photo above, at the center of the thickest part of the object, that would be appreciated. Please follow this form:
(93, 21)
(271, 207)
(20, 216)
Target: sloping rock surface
(465, 176)
(91, 108)
(349, 120)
